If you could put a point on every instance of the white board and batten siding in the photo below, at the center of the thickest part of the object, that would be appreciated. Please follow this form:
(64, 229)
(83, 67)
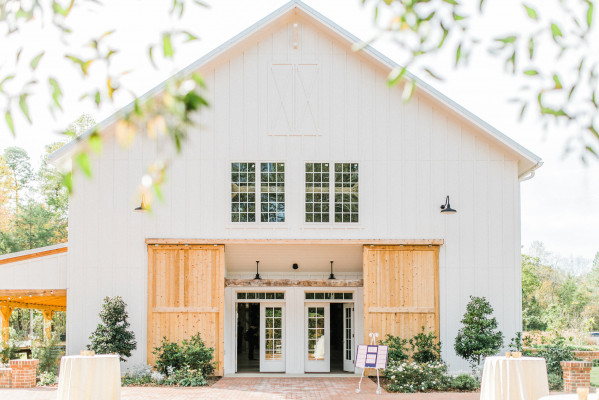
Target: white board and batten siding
(320, 102)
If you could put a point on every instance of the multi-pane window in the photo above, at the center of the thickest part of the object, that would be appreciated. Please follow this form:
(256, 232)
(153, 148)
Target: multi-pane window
(317, 192)
(346, 192)
(244, 183)
(272, 192)
(243, 192)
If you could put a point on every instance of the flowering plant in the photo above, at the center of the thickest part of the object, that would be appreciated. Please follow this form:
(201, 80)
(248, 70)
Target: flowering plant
(411, 377)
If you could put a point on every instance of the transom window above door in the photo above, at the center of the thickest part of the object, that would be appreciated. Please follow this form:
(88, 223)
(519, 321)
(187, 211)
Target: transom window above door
(258, 195)
(337, 189)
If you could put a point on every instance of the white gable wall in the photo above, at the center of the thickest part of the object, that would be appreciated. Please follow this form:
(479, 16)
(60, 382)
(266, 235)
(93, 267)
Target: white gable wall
(410, 157)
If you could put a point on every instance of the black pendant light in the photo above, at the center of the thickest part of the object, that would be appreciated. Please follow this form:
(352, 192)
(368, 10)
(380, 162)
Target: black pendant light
(446, 208)
(257, 274)
(332, 276)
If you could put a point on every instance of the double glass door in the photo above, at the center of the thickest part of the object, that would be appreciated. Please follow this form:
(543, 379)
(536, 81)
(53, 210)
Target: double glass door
(317, 354)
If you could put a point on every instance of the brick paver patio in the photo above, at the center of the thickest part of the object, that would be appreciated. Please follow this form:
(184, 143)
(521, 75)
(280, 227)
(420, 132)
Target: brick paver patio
(253, 388)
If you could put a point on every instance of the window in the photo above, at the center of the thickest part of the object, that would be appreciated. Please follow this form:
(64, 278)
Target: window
(272, 192)
(260, 295)
(243, 192)
(346, 192)
(317, 192)
(244, 186)
(329, 296)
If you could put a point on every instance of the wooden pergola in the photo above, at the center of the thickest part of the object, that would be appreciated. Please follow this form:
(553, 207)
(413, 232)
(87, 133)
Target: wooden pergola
(45, 300)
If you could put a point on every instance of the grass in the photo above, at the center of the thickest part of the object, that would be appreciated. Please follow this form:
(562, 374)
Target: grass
(595, 377)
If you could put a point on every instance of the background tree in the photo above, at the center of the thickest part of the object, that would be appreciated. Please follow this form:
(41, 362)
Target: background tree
(478, 337)
(112, 334)
(20, 173)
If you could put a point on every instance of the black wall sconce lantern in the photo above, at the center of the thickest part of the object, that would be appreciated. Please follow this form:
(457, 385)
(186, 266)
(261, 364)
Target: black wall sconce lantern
(257, 274)
(143, 207)
(446, 208)
(332, 276)
(295, 266)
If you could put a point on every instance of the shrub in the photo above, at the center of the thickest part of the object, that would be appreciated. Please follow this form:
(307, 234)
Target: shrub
(47, 378)
(49, 355)
(479, 336)
(397, 348)
(112, 334)
(411, 377)
(554, 353)
(8, 351)
(425, 347)
(185, 376)
(191, 354)
(555, 381)
(138, 374)
(464, 383)
(516, 342)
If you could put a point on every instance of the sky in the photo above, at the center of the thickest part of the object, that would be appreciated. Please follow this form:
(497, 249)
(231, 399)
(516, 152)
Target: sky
(559, 205)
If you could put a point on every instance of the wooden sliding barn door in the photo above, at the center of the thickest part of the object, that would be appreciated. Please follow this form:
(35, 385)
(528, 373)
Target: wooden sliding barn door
(401, 290)
(186, 289)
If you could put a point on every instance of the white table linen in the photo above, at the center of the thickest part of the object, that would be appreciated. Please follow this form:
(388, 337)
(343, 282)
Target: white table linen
(522, 378)
(89, 378)
(592, 396)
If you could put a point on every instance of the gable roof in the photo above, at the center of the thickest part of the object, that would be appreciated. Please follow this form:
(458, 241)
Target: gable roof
(532, 159)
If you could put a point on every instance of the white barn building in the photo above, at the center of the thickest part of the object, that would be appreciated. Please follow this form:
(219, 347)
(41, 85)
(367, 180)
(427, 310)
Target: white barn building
(305, 156)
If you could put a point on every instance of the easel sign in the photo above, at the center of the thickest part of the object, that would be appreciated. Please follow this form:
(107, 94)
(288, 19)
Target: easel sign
(371, 356)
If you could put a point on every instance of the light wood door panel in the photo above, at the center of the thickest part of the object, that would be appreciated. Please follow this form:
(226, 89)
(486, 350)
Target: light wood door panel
(186, 296)
(401, 290)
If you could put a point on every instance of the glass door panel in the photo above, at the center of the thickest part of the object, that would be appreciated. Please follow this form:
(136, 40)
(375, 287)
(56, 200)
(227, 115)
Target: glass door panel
(348, 337)
(272, 338)
(317, 354)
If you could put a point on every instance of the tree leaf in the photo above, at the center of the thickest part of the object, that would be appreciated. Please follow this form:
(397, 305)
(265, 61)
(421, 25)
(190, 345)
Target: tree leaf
(531, 47)
(56, 92)
(83, 162)
(67, 181)
(59, 9)
(532, 13)
(97, 98)
(36, 60)
(408, 90)
(167, 45)
(151, 56)
(6, 79)
(457, 17)
(137, 108)
(95, 142)
(396, 76)
(531, 72)
(507, 39)
(433, 74)
(590, 14)
(190, 36)
(452, 2)
(24, 106)
(445, 33)
(9, 121)
(558, 83)
(84, 65)
(458, 54)
(555, 31)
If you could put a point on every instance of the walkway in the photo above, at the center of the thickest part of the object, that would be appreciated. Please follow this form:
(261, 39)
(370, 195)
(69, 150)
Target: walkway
(253, 388)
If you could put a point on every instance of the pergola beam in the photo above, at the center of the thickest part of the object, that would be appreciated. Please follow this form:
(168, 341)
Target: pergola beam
(34, 306)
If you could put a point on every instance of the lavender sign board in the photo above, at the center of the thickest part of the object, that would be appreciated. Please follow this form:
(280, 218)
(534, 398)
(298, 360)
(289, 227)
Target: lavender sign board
(371, 356)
